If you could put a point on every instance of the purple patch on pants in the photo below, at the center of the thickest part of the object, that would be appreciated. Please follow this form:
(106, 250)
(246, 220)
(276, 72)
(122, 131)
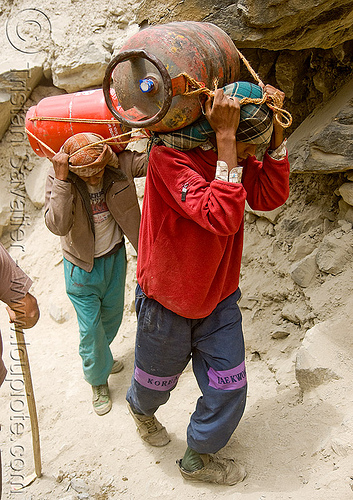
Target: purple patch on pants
(155, 383)
(228, 380)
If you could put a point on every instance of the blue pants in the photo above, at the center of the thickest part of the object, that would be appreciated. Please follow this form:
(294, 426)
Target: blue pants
(98, 298)
(165, 343)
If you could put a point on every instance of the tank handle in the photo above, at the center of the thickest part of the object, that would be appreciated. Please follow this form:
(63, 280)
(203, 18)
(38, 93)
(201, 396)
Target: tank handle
(167, 86)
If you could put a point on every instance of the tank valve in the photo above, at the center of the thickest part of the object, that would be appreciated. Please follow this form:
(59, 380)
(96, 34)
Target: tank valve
(148, 85)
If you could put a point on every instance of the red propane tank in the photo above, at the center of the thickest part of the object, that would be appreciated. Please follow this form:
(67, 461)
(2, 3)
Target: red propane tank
(89, 105)
(202, 50)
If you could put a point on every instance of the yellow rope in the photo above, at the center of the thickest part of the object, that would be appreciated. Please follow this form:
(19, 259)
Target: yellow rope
(273, 101)
(111, 140)
(72, 120)
(250, 69)
(192, 83)
(41, 142)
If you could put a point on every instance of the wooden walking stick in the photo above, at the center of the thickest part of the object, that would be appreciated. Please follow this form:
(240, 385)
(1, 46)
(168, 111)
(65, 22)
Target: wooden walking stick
(26, 371)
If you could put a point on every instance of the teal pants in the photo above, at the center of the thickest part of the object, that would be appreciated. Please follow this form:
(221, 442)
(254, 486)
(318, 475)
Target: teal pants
(98, 298)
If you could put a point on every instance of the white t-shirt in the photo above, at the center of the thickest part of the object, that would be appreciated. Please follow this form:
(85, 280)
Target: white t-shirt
(107, 231)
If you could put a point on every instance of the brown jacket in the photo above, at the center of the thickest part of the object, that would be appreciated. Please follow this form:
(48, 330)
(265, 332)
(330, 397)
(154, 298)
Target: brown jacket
(14, 284)
(68, 211)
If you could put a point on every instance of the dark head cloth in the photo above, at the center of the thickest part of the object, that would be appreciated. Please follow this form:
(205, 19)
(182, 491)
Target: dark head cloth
(255, 125)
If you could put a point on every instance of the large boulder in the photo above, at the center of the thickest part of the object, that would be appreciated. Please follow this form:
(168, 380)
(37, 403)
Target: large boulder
(323, 142)
(263, 24)
(77, 69)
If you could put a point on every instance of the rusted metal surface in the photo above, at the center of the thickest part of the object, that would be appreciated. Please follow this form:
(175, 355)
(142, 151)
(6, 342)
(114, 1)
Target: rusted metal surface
(163, 88)
(202, 50)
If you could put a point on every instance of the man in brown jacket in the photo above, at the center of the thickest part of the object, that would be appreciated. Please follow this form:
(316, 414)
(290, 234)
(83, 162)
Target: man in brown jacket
(91, 203)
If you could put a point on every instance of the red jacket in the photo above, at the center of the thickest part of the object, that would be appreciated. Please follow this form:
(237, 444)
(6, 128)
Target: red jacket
(190, 245)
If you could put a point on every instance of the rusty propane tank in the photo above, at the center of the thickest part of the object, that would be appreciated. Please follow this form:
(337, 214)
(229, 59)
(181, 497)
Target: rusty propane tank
(147, 73)
(54, 119)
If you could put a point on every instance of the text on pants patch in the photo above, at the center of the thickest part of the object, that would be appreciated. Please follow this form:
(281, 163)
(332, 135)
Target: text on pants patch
(228, 380)
(155, 383)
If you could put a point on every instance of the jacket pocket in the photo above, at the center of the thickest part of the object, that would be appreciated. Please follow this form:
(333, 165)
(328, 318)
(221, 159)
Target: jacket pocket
(122, 199)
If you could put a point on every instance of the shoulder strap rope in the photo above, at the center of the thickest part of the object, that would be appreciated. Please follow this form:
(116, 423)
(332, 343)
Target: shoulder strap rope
(110, 140)
(273, 101)
(72, 120)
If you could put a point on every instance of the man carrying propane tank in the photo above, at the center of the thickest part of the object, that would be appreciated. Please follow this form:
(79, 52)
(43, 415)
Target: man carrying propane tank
(91, 203)
(188, 267)
(200, 174)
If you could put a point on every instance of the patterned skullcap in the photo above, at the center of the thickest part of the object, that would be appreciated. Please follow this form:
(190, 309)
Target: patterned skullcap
(89, 161)
(255, 125)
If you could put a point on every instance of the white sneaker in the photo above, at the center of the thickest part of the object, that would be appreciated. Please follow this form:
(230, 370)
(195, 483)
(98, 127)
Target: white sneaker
(101, 399)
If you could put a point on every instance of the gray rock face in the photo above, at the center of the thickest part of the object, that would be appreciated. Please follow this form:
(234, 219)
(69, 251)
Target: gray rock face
(289, 72)
(323, 142)
(271, 25)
